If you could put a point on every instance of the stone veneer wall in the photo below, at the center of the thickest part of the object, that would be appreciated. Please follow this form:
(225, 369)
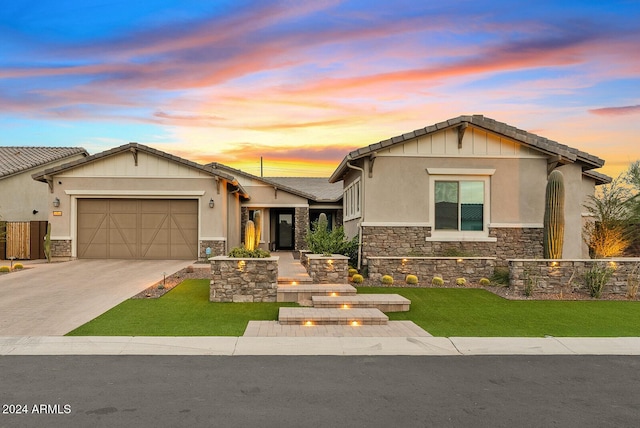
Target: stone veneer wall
(243, 280)
(61, 248)
(556, 276)
(332, 269)
(425, 268)
(301, 219)
(218, 248)
(405, 241)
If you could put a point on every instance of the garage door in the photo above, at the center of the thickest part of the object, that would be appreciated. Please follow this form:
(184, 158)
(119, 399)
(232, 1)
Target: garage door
(137, 229)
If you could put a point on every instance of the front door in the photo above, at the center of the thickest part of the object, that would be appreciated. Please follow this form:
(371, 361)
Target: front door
(285, 230)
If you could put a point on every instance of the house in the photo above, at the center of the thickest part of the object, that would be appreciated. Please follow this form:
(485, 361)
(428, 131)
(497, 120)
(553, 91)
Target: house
(288, 206)
(24, 206)
(469, 185)
(137, 202)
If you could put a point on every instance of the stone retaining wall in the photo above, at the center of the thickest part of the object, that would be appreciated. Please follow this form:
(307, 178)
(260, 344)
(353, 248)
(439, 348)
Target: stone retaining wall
(243, 279)
(564, 276)
(332, 269)
(61, 248)
(425, 268)
(218, 248)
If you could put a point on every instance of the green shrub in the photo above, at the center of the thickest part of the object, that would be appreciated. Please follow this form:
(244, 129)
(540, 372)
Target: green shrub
(387, 280)
(357, 279)
(500, 276)
(484, 282)
(461, 281)
(530, 282)
(596, 278)
(437, 281)
(18, 266)
(241, 252)
(352, 272)
(411, 279)
(321, 240)
(5, 269)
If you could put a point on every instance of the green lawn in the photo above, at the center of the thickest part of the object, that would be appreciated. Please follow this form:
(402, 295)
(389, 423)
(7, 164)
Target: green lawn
(475, 312)
(183, 311)
(186, 311)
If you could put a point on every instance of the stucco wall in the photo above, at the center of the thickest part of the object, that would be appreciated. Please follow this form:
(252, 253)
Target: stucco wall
(20, 195)
(575, 187)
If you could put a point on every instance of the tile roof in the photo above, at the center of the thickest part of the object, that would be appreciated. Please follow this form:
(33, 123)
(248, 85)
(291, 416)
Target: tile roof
(14, 160)
(532, 140)
(313, 188)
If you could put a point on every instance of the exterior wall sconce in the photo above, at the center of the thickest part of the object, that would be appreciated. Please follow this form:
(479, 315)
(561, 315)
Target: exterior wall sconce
(56, 202)
(211, 203)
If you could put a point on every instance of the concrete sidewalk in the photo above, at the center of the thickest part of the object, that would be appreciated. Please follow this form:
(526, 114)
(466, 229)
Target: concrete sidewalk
(234, 346)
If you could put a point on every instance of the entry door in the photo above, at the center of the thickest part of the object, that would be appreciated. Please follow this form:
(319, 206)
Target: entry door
(285, 230)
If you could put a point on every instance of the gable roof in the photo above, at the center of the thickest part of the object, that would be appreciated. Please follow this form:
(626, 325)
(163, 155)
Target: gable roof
(544, 145)
(15, 160)
(312, 188)
(134, 148)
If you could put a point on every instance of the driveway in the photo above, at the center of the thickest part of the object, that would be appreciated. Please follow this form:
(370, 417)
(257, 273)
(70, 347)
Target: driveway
(51, 299)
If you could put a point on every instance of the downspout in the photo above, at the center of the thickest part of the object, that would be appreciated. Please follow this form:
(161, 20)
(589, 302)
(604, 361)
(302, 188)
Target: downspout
(357, 168)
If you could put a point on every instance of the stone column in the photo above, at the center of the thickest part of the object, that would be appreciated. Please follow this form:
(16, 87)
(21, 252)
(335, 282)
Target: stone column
(301, 225)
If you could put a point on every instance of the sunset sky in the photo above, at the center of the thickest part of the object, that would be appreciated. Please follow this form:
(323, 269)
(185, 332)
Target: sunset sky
(302, 83)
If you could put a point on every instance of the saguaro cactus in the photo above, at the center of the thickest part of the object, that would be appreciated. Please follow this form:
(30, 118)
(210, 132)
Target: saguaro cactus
(323, 222)
(257, 219)
(553, 236)
(250, 236)
(47, 243)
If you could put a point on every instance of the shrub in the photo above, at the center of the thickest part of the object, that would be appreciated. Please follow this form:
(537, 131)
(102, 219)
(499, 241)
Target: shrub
(352, 272)
(437, 281)
(500, 276)
(530, 283)
(357, 279)
(387, 280)
(596, 278)
(321, 240)
(5, 269)
(461, 281)
(633, 281)
(484, 282)
(241, 252)
(411, 279)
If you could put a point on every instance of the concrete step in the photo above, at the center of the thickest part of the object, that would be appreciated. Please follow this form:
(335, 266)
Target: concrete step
(303, 292)
(294, 280)
(331, 316)
(384, 302)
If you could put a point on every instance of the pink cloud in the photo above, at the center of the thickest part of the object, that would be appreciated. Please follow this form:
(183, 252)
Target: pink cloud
(616, 111)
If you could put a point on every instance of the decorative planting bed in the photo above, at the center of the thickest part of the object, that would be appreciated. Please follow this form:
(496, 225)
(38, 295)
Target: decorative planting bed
(243, 279)
(425, 268)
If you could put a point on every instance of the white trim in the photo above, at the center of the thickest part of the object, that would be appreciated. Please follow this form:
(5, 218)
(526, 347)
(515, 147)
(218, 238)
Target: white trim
(336, 206)
(460, 238)
(457, 156)
(136, 193)
(214, 238)
(461, 171)
(61, 238)
(352, 200)
(516, 225)
(394, 224)
(259, 205)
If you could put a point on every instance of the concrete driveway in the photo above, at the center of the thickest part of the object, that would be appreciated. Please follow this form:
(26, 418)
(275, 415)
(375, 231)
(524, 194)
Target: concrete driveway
(51, 299)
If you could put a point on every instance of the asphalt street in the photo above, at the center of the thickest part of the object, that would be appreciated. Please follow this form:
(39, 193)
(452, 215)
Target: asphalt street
(319, 391)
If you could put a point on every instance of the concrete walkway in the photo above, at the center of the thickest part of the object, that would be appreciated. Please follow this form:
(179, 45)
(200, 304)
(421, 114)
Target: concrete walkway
(317, 346)
(290, 269)
(49, 299)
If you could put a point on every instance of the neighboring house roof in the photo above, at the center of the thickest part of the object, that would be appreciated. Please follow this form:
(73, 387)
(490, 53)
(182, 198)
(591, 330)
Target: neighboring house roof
(134, 148)
(15, 160)
(553, 148)
(312, 188)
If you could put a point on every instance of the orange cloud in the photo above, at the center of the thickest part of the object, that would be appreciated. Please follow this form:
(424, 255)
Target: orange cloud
(616, 111)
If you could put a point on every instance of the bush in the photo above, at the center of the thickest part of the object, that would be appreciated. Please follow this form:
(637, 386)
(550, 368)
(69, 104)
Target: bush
(352, 272)
(387, 280)
(484, 282)
(5, 269)
(357, 279)
(437, 281)
(500, 276)
(322, 241)
(241, 252)
(596, 278)
(461, 281)
(411, 279)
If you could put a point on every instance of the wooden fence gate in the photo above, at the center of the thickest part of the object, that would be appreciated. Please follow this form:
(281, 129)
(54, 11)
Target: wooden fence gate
(23, 240)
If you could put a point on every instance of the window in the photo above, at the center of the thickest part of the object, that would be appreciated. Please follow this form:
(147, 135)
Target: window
(459, 205)
(351, 200)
